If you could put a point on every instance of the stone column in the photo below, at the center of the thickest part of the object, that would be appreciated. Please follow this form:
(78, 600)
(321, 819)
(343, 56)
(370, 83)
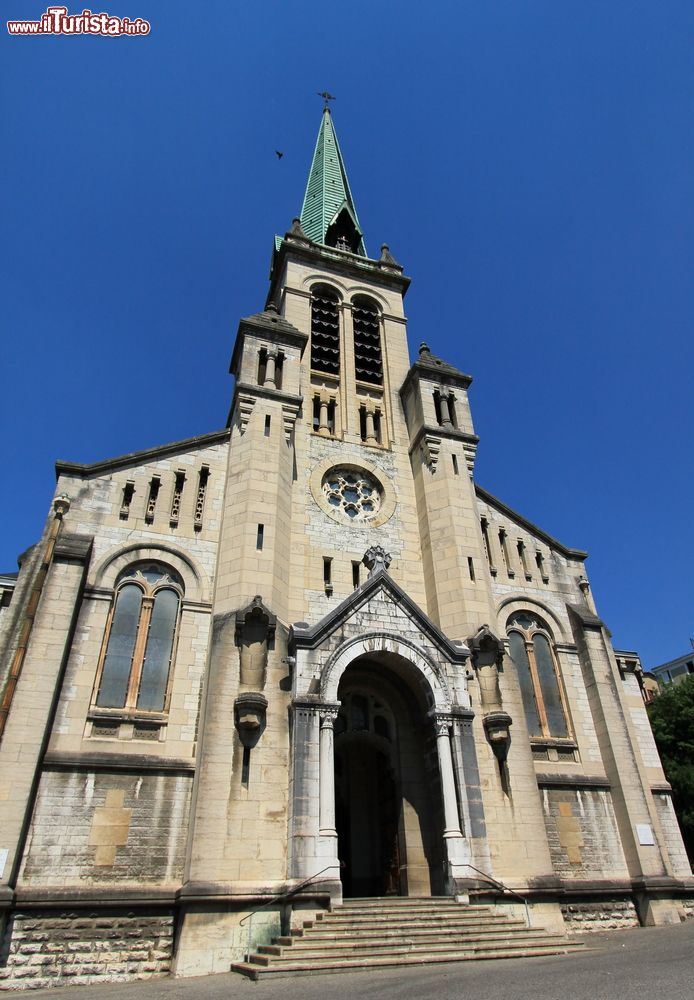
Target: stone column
(328, 862)
(445, 410)
(270, 370)
(370, 427)
(457, 851)
(326, 821)
(450, 802)
(323, 418)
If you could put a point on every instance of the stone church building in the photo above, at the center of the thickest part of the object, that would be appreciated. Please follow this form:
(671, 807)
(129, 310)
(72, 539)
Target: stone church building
(309, 651)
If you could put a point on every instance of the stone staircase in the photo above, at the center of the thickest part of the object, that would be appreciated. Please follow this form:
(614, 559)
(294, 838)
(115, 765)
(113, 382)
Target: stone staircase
(397, 931)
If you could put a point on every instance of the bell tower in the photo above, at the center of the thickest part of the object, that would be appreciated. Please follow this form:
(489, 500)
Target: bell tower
(350, 442)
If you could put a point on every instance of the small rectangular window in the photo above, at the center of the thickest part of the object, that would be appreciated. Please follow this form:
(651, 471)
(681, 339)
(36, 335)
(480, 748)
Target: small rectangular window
(539, 560)
(484, 525)
(452, 415)
(128, 491)
(259, 537)
(437, 408)
(471, 568)
(176, 498)
(267, 425)
(203, 477)
(455, 464)
(505, 554)
(328, 575)
(262, 365)
(356, 570)
(154, 485)
(377, 426)
(524, 562)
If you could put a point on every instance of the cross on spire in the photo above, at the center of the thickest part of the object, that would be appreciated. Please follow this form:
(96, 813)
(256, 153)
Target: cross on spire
(326, 97)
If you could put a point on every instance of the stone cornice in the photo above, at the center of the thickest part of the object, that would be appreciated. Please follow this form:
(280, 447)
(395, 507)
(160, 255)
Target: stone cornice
(450, 433)
(549, 780)
(443, 374)
(140, 457)
(338, 261)
(503, 508)
(134, 897)
(119, 761)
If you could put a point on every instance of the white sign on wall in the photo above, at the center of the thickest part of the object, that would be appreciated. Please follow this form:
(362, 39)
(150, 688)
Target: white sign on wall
(645, 834)
(3, 859)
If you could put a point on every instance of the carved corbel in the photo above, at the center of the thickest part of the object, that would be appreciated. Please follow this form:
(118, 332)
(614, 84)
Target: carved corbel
(250, 709)
(487, 654)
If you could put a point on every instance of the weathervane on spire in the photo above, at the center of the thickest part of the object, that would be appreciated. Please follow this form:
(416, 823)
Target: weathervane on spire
(326, 97)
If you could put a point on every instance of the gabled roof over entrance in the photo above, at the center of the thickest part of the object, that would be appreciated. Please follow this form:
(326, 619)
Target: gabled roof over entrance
(304, 636)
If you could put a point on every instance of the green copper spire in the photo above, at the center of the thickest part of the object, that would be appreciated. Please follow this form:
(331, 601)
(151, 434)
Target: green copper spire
(328, 214)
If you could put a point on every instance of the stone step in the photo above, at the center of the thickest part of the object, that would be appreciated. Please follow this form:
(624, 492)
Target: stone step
(420, 906)
(391, 902)
(347, 924)
(311, 949)
(381, 933)
(399, 913)
(286, 968)
(399, 927)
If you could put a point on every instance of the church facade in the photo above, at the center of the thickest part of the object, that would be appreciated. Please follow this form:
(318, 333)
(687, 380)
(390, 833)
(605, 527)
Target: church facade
(310, 652)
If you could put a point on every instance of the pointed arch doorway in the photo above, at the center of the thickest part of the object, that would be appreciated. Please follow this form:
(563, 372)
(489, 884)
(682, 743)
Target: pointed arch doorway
(388, 808)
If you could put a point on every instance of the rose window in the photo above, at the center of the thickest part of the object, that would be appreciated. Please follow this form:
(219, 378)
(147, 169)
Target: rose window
(352, 492)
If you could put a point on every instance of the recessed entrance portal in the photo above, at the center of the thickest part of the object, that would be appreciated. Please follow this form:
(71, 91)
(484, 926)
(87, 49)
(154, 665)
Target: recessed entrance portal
(387, 785)
(367, 814)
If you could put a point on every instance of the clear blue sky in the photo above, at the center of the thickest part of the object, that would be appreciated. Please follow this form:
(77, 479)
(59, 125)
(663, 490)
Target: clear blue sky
(530, 163)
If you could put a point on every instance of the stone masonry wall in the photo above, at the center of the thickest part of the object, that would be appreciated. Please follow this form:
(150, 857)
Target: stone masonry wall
(582, 833)
(50, 948)
(607, 915)
(673, 838)
(93, 828)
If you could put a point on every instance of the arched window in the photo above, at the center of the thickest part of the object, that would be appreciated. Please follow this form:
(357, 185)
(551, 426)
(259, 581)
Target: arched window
(366, 318)
(530, 644)
(140, 639)
(325, 330)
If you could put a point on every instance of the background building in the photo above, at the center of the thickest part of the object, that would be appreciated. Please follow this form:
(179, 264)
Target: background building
(311, 646)
(674, 671)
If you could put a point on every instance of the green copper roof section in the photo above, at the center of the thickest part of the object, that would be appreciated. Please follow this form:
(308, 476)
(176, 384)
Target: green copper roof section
(327, 191)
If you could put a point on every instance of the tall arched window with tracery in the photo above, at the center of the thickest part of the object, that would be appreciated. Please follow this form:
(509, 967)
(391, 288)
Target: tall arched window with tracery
(140, 640)
(325, 330)
(532, 651)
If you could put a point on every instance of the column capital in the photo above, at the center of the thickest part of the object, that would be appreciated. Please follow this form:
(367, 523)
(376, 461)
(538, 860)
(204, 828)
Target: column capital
(443, 722)
(328, 714)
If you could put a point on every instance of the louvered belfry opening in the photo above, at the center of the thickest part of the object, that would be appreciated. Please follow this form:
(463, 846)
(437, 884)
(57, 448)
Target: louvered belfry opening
(325, 331)
(367, 341)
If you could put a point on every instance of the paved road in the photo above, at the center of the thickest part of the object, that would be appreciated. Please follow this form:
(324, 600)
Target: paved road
(641, 964)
